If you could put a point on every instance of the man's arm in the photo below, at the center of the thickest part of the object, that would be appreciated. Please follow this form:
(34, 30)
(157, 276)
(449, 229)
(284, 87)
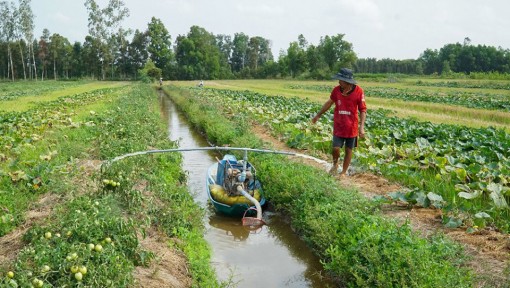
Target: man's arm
(362, 117)
(323, 110)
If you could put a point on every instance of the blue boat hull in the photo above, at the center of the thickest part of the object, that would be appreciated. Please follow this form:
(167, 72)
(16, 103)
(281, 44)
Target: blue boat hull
(236, 210)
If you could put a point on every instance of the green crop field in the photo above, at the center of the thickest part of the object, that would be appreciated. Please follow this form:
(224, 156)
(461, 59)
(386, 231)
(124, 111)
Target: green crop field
(448, 156)
(466, 167)
(473, 107)
(66, 220)
(447, 143)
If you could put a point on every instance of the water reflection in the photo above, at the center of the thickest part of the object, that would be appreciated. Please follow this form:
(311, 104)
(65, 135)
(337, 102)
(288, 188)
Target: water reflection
(233, 229)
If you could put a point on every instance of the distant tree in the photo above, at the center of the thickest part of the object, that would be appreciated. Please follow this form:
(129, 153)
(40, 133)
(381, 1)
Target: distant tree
(225, 46)
(252, 53)
(137, 51)
(8, 31)
(270, 69)
(303, 43)
(283, 64)
(430, 60)
(296, 58)
(160, 45)
(149, 72)
(121, 54)
(466, 60)
(26, 21)
(59, 51)
(76, 61)
(43, 52)
(197, 55)
(259, 52)
(316, 64)
(239, 51)
(446, 68)
(337, 52)
(89, 57)
(419, 68)
(103, 25)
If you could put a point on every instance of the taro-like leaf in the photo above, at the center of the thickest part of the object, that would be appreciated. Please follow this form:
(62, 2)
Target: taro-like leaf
(496, 195)
(463, 187)
(18, 175)
(461, 174)
(452, 222)
(452, 160)
(434, 197)
(482, 215)
(436, 200)
(398, 196)
(422, 200)
(471, 230)
(397, 135)
(422, 143)
(380, 199)
(466, 195)
(480, 159)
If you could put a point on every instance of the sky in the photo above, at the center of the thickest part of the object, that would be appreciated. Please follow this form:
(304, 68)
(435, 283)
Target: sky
(396, 29)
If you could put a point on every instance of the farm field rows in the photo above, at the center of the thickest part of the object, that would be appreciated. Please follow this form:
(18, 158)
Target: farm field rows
(70, 220)
(19, 96)
(447, 112)
(461, 170)
(460, 164)
(56, 202)
(284, 116)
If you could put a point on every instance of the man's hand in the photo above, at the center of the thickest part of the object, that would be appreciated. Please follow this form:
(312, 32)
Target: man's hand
(362, 132)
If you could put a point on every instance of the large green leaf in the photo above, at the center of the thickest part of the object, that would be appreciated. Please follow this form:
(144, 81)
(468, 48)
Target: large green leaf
(452, 222)
(435, 199)
(467, 195)
(482, 215)
(422, 143)
(461, 174)
(496, 195)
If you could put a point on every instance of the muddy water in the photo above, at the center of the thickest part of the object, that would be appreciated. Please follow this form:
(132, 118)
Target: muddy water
(272, 256)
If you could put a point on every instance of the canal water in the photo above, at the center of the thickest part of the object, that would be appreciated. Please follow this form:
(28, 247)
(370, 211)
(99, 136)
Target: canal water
(272, 256)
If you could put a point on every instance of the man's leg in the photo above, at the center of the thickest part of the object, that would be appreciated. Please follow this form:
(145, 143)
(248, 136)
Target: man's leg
(347, 160)
(336, 155)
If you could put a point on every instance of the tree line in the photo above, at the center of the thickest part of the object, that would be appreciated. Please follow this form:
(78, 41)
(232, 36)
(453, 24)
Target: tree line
(110, 51)
(451, 58)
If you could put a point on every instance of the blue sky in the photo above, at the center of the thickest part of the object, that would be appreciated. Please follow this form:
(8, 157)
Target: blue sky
(398, 29)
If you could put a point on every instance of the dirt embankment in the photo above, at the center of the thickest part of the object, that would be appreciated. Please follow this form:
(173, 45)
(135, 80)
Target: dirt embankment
(488, 249)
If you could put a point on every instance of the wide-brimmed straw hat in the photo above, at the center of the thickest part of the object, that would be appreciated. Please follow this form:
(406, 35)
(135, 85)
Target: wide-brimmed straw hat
(345, 75)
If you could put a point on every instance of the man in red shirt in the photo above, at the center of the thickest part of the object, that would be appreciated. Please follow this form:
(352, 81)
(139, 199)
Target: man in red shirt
(348, 99)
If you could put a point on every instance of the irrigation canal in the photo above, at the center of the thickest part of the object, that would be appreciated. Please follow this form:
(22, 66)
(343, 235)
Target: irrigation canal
(272, 256)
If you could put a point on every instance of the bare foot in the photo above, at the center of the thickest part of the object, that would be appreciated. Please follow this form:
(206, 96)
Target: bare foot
(342, 175)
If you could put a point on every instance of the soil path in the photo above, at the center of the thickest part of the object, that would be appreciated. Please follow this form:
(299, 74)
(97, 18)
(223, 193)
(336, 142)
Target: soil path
(488, 249)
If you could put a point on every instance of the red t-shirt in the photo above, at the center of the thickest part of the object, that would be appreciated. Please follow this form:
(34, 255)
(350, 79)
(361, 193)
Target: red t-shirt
(346, 111)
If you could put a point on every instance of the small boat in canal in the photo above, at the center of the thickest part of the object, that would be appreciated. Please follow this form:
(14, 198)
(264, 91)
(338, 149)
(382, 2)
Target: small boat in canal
(233, 189)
